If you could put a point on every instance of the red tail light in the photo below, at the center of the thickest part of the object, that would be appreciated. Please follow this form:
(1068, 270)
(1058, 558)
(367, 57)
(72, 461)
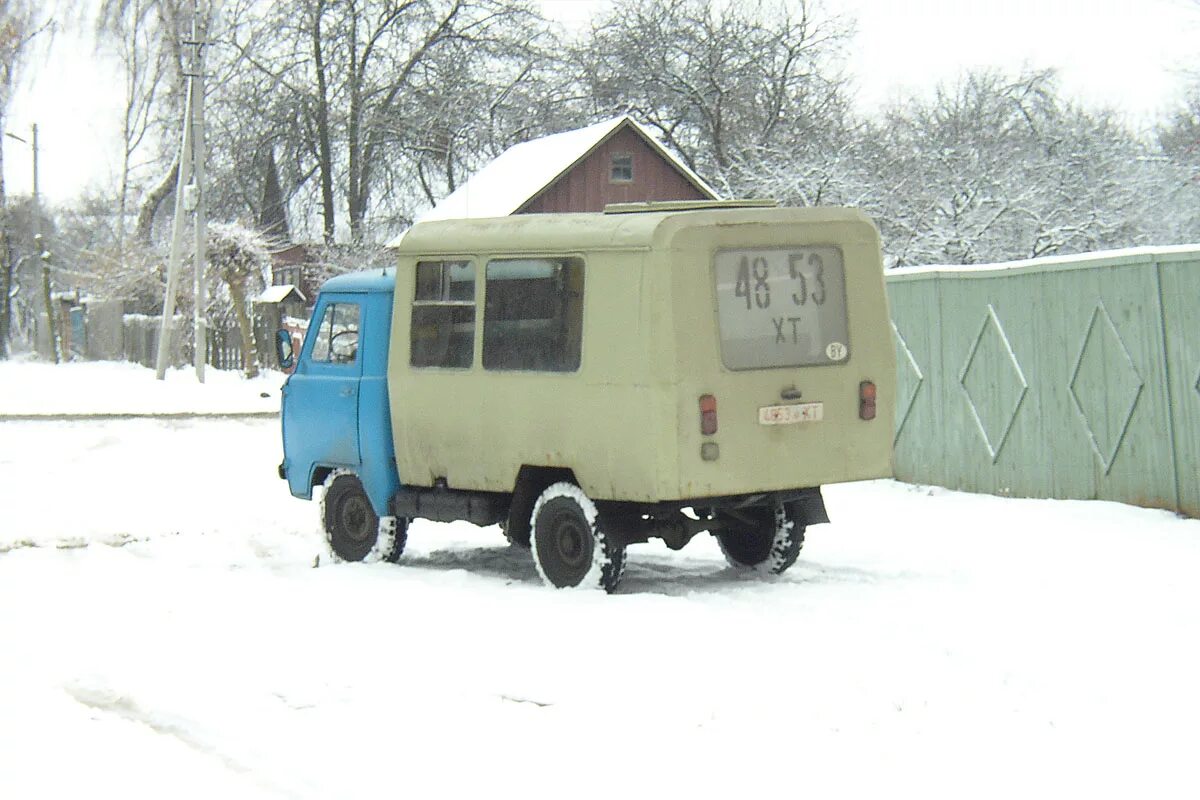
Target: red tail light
(866, 400)
(708, 414)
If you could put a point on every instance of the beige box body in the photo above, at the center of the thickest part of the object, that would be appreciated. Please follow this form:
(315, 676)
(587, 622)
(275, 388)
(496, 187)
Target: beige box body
(627, 423)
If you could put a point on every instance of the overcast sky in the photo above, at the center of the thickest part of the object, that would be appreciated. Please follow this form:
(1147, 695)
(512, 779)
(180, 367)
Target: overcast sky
(1106, 54)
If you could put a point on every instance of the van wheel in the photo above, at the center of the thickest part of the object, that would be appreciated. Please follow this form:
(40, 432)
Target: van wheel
(352, 528)
(766, 541)
(570, 548)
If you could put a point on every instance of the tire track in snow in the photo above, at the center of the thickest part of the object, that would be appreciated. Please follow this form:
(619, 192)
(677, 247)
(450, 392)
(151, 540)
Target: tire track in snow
(124, 707)
(106, 416)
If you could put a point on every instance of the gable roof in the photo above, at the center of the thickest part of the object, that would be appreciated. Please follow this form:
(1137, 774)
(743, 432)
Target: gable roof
(524, 170)
(279, 293)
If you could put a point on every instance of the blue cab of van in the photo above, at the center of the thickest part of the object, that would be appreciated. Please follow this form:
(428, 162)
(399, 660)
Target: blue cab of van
(335, 405)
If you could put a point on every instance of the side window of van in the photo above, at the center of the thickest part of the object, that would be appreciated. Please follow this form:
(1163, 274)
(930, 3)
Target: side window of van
(443, 315)
(533, 314)
(337, 334)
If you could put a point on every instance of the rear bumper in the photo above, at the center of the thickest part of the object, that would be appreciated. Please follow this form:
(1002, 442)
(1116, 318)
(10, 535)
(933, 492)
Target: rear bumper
(809, 504)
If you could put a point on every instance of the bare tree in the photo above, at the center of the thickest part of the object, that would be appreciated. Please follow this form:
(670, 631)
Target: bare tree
(147, 38)
(722, 83)
(351, 76)
(21, 22)
(132, 31)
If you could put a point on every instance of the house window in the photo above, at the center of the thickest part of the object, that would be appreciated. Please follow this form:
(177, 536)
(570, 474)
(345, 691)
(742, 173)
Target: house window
(285, 276)
(622, 168)
(443, 315)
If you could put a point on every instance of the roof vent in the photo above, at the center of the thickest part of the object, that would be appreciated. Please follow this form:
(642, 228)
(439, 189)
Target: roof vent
(686, 205)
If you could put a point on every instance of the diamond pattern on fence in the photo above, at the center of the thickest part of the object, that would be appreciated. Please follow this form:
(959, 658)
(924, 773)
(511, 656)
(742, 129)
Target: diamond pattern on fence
(993, 384)
(1105, 369)
(909, 370)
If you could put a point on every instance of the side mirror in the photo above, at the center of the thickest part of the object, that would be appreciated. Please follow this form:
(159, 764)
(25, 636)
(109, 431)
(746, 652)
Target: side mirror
(283, 349)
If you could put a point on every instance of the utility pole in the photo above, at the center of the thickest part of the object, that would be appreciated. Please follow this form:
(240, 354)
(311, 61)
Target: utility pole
(36, 224)
(43, 254)
(199, 326)
(189, 198)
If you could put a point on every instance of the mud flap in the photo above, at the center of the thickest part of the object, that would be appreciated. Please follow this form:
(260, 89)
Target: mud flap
(810, 508)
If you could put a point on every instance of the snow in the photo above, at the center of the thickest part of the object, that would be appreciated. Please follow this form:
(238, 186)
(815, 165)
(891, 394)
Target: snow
(277, 294)
(1170, 252)
(163, 632)
(40, 388)
(520, 172)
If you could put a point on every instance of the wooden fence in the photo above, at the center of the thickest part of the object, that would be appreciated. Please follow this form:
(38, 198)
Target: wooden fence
(1073, 377)
(224, 348)
(139, 340)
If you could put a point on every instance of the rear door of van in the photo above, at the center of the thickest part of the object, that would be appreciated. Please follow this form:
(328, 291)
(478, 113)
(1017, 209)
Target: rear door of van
(787, 366)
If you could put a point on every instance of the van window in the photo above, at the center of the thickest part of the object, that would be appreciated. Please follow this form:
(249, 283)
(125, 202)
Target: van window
(443, 315)
(533, 314)
(337, 334)
(781, 307)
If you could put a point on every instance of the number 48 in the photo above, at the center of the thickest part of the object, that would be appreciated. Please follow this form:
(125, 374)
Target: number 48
(761, 289)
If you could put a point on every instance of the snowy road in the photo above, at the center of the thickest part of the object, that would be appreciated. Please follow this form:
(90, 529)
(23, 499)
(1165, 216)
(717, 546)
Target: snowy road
(164, 634)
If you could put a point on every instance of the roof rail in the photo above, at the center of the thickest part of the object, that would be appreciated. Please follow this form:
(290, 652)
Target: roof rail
(686, 205)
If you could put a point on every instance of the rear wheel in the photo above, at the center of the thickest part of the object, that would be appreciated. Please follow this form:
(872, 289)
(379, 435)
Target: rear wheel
(570, 548)
(353, 529)
(761, 540)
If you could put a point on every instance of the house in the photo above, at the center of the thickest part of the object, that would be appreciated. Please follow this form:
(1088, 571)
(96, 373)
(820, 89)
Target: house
(292, 266)
(615, 161)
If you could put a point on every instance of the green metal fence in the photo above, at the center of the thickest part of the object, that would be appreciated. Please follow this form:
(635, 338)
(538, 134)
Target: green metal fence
(1074, 377)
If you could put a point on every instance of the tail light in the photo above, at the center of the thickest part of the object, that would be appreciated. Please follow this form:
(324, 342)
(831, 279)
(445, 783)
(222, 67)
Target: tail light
(708, 414)
(866, 400)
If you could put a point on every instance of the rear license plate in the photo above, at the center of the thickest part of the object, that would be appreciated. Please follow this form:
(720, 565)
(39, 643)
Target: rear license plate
(786, 415)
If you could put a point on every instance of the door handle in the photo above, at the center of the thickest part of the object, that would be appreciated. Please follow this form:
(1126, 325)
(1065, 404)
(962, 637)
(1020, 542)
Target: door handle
(789, 393)
(347, 392)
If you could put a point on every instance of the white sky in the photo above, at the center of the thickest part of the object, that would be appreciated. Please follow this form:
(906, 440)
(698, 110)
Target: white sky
(1107, 54)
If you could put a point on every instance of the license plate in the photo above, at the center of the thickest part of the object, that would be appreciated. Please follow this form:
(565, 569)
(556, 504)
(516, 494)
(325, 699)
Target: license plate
(786, 415)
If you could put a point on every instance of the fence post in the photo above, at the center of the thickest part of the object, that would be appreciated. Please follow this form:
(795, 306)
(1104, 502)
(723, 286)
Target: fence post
(1176, 466)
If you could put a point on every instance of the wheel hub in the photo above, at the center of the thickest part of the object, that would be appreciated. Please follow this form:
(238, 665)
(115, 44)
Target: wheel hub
(571, 542)
(355, 518)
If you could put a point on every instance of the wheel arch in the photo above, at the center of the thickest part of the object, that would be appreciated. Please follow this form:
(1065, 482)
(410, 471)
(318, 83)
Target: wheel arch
(531, 481)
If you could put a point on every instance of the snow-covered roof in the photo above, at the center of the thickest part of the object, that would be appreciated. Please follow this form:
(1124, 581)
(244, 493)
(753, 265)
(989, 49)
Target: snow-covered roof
(523, 170)
(277, 294)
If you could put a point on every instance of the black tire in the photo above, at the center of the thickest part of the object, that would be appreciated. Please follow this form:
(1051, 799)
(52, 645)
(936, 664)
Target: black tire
(763, 540)
(353, 529)
(570, 548)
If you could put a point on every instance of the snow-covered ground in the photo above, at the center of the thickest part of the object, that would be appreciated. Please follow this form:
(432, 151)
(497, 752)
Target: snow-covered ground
(39, 388)
(164, 633)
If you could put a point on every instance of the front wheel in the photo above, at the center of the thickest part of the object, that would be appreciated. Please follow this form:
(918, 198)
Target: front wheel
(353, 529)
(570, 547)
(765, 541)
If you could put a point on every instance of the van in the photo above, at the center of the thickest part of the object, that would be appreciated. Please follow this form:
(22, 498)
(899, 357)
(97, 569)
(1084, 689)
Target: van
(591, 381)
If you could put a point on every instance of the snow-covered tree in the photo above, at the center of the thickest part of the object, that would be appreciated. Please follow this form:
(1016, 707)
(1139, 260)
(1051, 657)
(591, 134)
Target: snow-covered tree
(999, 166)
(239, 258)
(727, 85)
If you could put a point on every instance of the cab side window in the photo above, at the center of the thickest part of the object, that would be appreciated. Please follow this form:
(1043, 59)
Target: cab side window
(533, 314)
(337, 334)
(443, 315)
